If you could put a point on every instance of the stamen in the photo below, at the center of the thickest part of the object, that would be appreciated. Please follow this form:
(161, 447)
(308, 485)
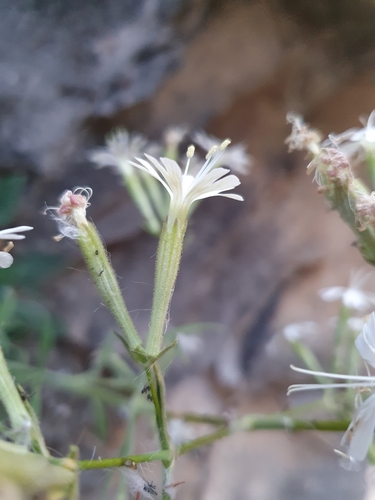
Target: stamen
(8, 247)
(190, 151)
(224, 144)
(211, 152)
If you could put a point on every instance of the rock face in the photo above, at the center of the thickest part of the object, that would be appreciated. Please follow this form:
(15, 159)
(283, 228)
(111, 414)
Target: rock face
(64, 61)
(70, 71)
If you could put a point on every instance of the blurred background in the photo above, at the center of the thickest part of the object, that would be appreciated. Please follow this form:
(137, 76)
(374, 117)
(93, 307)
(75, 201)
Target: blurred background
(72, 71)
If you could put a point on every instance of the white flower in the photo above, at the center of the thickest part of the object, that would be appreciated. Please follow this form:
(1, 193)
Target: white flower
(71, 213)
(234, 156)
(6, 260)
(353, 296)
(174, 135)
(184, 188)
(361, 429)
(189, 344)
(297, 331)
(356, 139)
(121, 147)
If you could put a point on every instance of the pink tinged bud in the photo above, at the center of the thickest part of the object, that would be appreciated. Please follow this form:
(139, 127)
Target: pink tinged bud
(71, 213)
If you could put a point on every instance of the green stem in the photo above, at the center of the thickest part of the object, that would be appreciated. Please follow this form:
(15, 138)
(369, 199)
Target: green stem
(204, 440)
(340, 342)
(157, 390)
(142, 201)
(157, 195)
(167, 265)
(197, 418)
(122, 461)
(370, 158)
(20, 419)
(251, 423)
(106, 282)
(343, 199)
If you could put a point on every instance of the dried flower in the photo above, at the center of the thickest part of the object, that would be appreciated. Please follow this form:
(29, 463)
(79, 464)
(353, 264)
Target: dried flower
(6, 260)
(184, 188)
(302, 137)
(361, 429)
(234, 156)
(71, 213)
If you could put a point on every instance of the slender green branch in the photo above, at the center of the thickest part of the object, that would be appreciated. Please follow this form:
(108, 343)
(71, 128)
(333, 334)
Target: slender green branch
(251, 423)
(123, 461)
(198, 418)
(204, 440)
(157, 389)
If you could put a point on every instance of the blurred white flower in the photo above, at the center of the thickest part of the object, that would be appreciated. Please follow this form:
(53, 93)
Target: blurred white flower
(122, 147)
(355, 139)
(184, 188)
(297, 331)
(355, 324)
(174, 135)
(234, 156)
(189, 344)
(6, 260)
(361, 429)
(353, 297)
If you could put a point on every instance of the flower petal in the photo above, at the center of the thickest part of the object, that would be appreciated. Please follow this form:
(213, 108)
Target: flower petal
(6, 260)
(11, 233)
(332, 293)
(365, 342)
(361, 430)
(355, 299)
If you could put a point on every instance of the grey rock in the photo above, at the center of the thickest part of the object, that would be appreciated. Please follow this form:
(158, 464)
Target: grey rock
(62, 62)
